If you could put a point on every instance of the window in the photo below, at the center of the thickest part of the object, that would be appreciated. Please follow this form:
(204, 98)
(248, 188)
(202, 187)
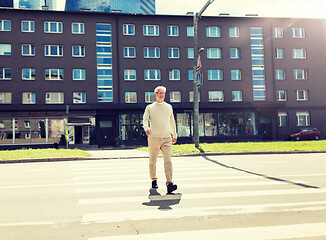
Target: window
(282, 119)
(190, 31)
(175, 96)
(281, 95)
(298, 33)
(213, 31)
(130, 74)
(191, 74)
(214, 53)
(151, 52)
(28, 98)
(215, 96)
(5, 49)
(191, 96)
(28, 26)
(303, 119)
(79, 74)
(129, 52)
(5, 97)
(174, 74)
(302, 95)
(5, 73)
(28, 50)
(53, 74)
(234, 53)
(278, 32)
(236, 96)
(215, 74)
(235, 74)
(299, 53)
(5, 25)
(279, 53)
(173, 31)
(78, 51)
(300, 74)
(130, 97)
(79, 97)
(151, 30)
(54, 98)
(129, 29)
(150, 97)
(234, 32)
(28, 74)
(174, 53)
(77, 28)
(53, 50)
(53, 27)
(152, 74)
(280, 74)
(191, 53)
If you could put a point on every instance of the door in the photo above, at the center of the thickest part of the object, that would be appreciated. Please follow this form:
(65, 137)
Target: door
(106, 133)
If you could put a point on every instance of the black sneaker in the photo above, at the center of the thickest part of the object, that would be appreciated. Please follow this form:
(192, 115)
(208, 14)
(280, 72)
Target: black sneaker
(154, 184)
(171, 187)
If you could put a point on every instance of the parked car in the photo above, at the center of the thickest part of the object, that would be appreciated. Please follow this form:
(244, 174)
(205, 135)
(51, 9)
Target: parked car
(305, 134)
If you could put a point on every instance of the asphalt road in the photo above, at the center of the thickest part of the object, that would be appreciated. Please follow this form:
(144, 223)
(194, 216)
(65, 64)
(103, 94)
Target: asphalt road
(245, 197)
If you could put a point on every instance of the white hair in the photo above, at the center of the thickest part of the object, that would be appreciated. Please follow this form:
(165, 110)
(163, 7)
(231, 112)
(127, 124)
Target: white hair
(160, 87)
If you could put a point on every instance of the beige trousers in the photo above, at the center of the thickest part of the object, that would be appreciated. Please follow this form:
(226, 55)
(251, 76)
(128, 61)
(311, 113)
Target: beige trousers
(154, 146)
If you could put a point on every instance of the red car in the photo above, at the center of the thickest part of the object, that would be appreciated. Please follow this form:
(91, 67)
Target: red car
(305, 134)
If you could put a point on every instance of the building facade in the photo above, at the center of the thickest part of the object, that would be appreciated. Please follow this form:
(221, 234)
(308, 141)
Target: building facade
(30, 4)
(125, 6)
(93, 74)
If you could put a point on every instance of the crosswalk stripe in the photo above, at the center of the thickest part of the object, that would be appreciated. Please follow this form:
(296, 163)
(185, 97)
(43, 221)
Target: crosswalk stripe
(252, 233)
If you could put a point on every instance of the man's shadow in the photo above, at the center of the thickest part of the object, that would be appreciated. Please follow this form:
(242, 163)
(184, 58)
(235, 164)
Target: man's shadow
(162, 201)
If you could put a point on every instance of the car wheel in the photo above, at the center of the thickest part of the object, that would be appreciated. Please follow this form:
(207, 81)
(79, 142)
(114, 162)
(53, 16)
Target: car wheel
(317, 137)
(297, 138)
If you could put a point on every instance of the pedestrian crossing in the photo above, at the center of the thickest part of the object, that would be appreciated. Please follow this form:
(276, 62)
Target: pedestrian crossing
(212, 202)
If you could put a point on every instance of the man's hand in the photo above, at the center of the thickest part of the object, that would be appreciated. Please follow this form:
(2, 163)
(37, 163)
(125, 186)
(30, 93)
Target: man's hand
(174, 140)
(148, 132)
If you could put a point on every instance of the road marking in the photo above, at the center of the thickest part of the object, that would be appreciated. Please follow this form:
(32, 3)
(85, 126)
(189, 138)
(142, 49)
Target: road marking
(250, 233)
(25, 224)
(38, 186)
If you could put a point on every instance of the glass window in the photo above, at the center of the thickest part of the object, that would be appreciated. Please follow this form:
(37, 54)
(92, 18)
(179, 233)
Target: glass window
(79, 97)
(236, 96)
(151, 30)
(281, 95)
(28, 50)
(150, 97)
(235, 74)
(278, 32)
(175, 96)
(216, 74)
(130, 74)
(234, 53)
(53, 74)
(302, 95)
(129, 52)
(29, 98)
(5, 73)
(214, 53)
(303, 119)
(213, 31)
(77, 28)
(54, 98)
(191, 53)
(130, 97)
(298, 33)
(5, 49)
(279, 53)
(28, 26)
(78, 51)
(300, 74)
(53, 27)
(190, 31)
(234, 32)
(215, 96)
(53, 50)
(282, 119)
(191, 74)
(152, 74)
(79, 74)
(5, 25)
(183, 121)
(299, 53)
(280, 74)
(174, 74)
(151, 52)
(129, 29)
(174, 53)
(5, 97)
(173, 31)
(28, 73)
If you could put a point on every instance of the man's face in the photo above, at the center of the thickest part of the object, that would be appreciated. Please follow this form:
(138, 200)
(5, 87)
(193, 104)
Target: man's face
(160, 95)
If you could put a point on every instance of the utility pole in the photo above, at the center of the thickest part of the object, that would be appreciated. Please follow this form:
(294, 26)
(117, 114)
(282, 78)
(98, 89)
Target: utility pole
(195, 87)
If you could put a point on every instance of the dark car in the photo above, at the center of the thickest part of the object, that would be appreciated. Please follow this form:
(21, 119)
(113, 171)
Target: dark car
(305, 134)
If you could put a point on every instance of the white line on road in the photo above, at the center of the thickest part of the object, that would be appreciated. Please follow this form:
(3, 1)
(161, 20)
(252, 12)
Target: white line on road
(25, 224)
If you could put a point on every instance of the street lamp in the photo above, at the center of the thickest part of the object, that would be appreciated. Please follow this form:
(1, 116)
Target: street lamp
(195, 87)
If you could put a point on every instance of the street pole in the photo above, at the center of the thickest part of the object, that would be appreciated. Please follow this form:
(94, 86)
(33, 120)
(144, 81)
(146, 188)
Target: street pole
(195, 87)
